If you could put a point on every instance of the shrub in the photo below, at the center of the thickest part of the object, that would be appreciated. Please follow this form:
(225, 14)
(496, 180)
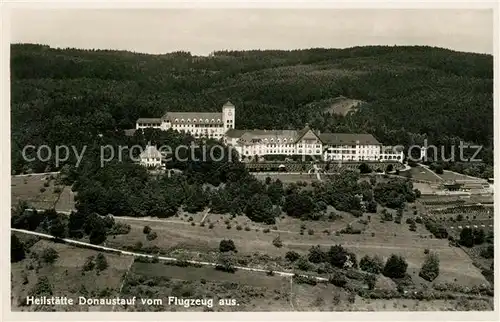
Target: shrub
(310, 232)
(395, 267)
(371, 281)
(266, 230)
(338, 279)
(100, 262)
(146, 230)
(119, 229)
(42, 287)
(430, 268)
(202, 224)
(211, 226)
(57, 190)
(228, 226)
(292, 256)
(17, 252)
(49, 255)
(488, 252)
(42, 189)
(226, 245)
(193, 223)
(372, 265)
(226, 264)
(190, 219)
(303, 264)
(227, 221)
(426, 251)
(277, 242)
(89, 264)
(151, 236)
(239, 227)
(247, 228)
(46, 184)
(316, 255)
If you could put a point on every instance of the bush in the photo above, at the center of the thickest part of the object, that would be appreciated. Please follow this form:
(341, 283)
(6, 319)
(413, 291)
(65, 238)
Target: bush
(151, 236)
(303, 264)
(266, 230)
(228, 227)
(146, 230)
(17, 252)
(49, 255)
(119, 229)
(42, 287)
(89, 264)
(226, 246)
(316, 255)
(247, 228)
(239, 227)
(310, 232)
(57, 190)
(430, 268)
(193, 223)
(46, 184)
(292, 256)
(371, 281)
(372, 265)
(338, 279)
(42, 189)
(277, 242)
(395, 267)
(426, 251)
(211, 226)
(488, 252)
(100, 262)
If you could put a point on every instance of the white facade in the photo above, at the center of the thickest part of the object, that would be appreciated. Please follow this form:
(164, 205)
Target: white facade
(151, 157)
(207, 125)
(327, 146)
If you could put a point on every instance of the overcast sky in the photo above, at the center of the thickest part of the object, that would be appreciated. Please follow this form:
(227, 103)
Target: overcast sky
(202, 31)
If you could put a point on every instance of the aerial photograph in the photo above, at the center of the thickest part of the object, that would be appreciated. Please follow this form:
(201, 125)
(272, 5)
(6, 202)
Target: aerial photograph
(251, 160)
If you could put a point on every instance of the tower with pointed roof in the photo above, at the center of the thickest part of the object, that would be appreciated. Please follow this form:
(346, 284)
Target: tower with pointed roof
(228, 112)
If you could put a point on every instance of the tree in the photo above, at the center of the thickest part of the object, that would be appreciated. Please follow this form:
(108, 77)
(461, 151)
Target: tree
(395, 267)
(151, 236)
(371, 206)
(371, 281)
(364, 168)
(337, 256)
(49, 255)
(389, 168)
(16, 249)
(225, 263)
(227, 246)
(146, 230)
(372, 265)
(57, 227)
(97, 235)
(466, 237)
(478, 236)
(292, 256)
(430, 268)
(277, 242)
(316, 255)
(42, 287)
(100, 262)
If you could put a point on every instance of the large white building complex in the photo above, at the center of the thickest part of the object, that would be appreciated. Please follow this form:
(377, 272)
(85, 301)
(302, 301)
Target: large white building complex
(251, 143)
(198, 124)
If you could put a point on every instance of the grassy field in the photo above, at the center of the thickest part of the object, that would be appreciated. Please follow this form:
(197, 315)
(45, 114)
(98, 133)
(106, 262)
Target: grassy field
(66, 201)
(255, 247)
(449, 175)
(28, 188)
(421, 173)
(66, 277)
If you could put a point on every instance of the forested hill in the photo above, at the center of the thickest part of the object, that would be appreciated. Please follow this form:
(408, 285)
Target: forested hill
(65, 95)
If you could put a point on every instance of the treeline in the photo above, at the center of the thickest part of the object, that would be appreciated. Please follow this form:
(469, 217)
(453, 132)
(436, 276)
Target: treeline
(72, 97)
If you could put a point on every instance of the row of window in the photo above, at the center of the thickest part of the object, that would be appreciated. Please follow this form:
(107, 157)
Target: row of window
(196, 125)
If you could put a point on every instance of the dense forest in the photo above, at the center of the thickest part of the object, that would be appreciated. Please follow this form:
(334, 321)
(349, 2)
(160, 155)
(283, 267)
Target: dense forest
(83, 97)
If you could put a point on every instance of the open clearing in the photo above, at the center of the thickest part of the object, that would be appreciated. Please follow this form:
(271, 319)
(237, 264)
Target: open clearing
(381, 239)
(65, 276)
(421, 173)
(27, 188)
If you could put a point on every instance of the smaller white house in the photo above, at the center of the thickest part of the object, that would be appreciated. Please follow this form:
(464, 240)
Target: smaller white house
(151, 157)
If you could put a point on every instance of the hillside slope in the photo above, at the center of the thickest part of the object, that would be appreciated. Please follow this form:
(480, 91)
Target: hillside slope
(62, 96)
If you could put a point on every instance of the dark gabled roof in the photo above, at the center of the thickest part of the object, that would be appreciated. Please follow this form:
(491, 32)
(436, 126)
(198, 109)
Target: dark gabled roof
(149, 120)
(348, 138)
(172, 116)
(234, 133)
(129, 132)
